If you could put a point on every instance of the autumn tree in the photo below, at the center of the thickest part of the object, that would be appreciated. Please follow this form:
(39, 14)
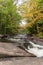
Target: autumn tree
(32, 12)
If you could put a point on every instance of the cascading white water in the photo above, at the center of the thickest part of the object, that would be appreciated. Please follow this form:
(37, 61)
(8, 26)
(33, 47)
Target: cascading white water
(37, 50)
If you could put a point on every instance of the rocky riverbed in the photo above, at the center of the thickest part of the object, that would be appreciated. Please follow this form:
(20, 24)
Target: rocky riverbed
(10, 54)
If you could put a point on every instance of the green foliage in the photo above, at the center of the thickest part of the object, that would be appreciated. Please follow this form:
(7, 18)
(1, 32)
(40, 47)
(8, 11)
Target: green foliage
(36, 29)
(9, 17)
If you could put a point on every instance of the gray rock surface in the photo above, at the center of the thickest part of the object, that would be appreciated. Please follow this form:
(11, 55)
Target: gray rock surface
(10, 49)
(21, 61)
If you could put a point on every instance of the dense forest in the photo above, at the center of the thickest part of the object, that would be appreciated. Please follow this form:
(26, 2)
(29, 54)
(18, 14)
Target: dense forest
(25, 18)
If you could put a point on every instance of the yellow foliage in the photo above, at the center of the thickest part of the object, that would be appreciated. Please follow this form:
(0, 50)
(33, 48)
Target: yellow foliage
(34, 20)
(29, 10)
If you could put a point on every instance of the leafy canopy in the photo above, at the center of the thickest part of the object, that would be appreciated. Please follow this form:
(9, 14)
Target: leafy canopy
(9, 17)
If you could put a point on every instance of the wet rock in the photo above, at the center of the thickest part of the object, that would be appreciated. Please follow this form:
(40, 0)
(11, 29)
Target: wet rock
(10, 49)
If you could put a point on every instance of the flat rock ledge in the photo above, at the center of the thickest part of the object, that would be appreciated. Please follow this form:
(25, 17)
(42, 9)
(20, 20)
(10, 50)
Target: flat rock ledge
(10, 49)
